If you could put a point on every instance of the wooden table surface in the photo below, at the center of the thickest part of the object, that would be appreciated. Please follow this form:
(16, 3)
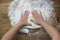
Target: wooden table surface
(4, 21)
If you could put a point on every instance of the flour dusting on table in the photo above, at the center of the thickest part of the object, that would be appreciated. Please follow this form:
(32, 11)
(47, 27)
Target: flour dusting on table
(17, 7)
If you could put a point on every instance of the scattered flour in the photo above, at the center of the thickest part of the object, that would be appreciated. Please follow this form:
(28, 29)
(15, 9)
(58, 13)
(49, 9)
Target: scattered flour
(17, 7)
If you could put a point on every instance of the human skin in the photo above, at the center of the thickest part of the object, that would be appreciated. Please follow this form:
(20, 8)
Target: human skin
(38, 20)
(54, 34)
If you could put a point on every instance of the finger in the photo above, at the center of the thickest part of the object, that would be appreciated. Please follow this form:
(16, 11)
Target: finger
(22, 15)
(26, 14)
(35, 13)
(40, 14)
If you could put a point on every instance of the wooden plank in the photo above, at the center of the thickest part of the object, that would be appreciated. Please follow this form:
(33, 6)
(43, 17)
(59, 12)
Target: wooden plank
(4, 21)
(5, 1)
(4, 7)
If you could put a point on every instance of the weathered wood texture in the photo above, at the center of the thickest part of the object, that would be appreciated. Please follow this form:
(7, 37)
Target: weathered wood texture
(57, 9)
(5, 24)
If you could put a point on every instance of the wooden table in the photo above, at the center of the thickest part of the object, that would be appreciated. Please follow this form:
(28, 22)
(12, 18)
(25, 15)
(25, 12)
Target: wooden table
(4, 21)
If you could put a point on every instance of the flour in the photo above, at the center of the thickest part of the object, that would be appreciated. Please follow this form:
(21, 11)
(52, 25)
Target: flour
(17, 7)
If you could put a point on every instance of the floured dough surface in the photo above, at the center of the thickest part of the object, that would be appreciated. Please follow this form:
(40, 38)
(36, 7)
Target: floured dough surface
(18, 7)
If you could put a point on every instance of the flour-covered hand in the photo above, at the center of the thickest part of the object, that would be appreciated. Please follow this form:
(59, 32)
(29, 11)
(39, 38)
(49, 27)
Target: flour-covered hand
(23, 20)
(38, 17)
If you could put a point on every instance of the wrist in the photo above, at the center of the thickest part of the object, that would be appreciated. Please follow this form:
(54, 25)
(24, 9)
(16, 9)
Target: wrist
(18, 25)
(41, 22)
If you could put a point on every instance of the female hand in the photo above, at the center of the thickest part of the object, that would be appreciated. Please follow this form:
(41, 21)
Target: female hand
(23, 20)
(38, 17)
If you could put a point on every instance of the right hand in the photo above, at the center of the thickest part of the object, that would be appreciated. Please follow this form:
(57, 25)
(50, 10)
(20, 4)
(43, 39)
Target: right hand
(38, 17)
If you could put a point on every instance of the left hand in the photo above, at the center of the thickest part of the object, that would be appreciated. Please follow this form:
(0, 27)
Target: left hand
(23, 20)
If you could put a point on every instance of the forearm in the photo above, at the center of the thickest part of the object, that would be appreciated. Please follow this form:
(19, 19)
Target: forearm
(10, 34)
(50, 30)
(23, 21)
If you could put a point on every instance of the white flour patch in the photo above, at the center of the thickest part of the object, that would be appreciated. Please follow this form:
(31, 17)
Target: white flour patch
(18, 7)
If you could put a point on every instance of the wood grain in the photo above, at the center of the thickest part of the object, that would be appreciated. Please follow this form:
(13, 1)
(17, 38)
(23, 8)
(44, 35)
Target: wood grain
(5, 24)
